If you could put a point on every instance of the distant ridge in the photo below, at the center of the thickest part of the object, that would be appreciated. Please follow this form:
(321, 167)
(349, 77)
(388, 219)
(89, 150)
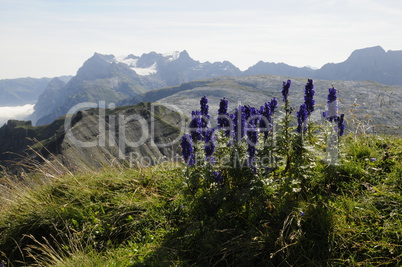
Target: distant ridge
(112, 79)
(368, 64)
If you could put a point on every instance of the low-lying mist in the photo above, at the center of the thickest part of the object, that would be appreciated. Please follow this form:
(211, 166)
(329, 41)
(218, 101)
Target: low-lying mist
(15, 113)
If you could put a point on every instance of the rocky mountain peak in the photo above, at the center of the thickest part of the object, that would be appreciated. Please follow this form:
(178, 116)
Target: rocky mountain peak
(96, 67)
(56, 83)
(376, 52)
(147, 60)
(184, 55)
(184, 61)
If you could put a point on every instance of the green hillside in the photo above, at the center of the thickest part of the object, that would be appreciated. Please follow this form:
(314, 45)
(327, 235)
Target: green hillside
(347, 214)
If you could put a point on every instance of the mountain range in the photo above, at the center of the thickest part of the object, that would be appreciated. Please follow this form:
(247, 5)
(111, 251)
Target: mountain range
(112, 79)
(120, 79)
(22, 91)
(177, 81)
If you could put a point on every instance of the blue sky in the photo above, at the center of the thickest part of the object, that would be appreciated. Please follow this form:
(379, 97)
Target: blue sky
(47, 38)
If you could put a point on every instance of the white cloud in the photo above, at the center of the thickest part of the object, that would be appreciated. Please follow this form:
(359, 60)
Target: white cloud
(15, 113)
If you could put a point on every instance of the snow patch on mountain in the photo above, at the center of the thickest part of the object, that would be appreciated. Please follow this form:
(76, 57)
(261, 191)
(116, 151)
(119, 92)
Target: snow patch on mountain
(146, 71)
(171, 55)
(132, 64)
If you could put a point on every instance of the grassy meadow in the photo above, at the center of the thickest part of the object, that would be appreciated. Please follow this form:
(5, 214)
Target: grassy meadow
(344, 214)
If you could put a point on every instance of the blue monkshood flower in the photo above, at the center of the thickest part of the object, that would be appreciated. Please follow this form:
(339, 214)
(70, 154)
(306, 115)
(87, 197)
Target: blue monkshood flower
(251, 115)
(262, 108)
(273, 105)
(218, 177)
(223, 111)
(187, 149)
(239, 123)
(252, 139)
(196, 126)
(204, 106)
(331, 94)
(309, 96)
(223, 117)
(209, 147)
(267, 111)
(341, 124)
(332, 104)
(285, 90)
(373, 159)
(204, 112)
(265, 122)
(302, 213)
(302, 115)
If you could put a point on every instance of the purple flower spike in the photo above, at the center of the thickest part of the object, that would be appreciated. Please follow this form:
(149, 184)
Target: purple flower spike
(223, 117)
(273, 105)
(204, 113)
(332, 113)
(252, 116)
(252, 136)
(239, 123)
(309, 96)
(187, 149)
(265, 119)
(285, 90)
(331, 94)
(196, 126)
(204, 106)
(209, 147)
(302, 115)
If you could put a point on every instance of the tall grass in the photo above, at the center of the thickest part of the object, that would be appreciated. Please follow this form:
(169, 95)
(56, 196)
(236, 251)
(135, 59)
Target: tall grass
(72, 214)
(351, 215)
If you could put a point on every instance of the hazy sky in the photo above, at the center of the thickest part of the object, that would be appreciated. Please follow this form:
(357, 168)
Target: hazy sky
(54, 37)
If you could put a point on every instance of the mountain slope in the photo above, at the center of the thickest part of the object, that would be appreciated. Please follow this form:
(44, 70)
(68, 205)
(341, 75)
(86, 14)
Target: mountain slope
(110, 79)
(18, 92)
(95, 137)
(368, 64)
(370, 105)
(49, 99)
(99, 79)
(278, 69)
